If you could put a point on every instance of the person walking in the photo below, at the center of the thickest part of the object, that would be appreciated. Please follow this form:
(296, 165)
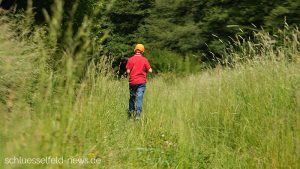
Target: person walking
(137, 67)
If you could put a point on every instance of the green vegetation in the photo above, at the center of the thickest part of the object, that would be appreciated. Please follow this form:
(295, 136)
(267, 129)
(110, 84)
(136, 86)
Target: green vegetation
(186, 28)
(64, 102)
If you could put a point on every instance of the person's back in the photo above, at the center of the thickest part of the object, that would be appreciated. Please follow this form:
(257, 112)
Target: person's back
(137, 68)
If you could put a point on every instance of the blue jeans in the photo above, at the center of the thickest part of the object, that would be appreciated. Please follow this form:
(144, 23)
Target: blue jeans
(136, 98)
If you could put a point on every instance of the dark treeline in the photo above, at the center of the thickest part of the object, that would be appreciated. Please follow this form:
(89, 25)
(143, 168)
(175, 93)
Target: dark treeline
(196, 28)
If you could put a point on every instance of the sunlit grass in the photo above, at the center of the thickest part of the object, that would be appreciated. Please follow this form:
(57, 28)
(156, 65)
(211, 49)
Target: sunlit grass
(245, 115)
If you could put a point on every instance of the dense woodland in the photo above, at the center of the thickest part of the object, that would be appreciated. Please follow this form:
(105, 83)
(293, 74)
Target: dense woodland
(175, 29)
(225, 92)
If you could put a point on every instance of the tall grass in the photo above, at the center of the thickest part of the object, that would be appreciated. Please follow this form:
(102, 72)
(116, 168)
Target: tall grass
(243, 116)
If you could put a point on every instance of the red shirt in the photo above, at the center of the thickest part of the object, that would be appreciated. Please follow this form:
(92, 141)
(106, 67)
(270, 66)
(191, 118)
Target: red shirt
(138, 66)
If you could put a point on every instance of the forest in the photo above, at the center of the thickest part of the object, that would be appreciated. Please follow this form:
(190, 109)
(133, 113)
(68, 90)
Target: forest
(224, 92)
(194, 29)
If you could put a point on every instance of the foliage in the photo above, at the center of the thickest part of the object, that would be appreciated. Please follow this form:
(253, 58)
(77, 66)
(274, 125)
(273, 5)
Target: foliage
(166, 61)
(241, 117)
(125, 18)
(201, 28)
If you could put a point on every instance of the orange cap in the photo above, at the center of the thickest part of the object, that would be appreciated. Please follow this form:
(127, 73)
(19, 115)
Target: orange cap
(139, 47)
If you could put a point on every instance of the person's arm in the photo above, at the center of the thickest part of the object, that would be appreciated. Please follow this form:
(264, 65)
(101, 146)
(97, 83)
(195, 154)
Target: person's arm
(128, 66)
(148, 67)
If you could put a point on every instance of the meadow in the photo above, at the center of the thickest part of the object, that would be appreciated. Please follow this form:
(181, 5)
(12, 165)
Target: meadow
(243, 114)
